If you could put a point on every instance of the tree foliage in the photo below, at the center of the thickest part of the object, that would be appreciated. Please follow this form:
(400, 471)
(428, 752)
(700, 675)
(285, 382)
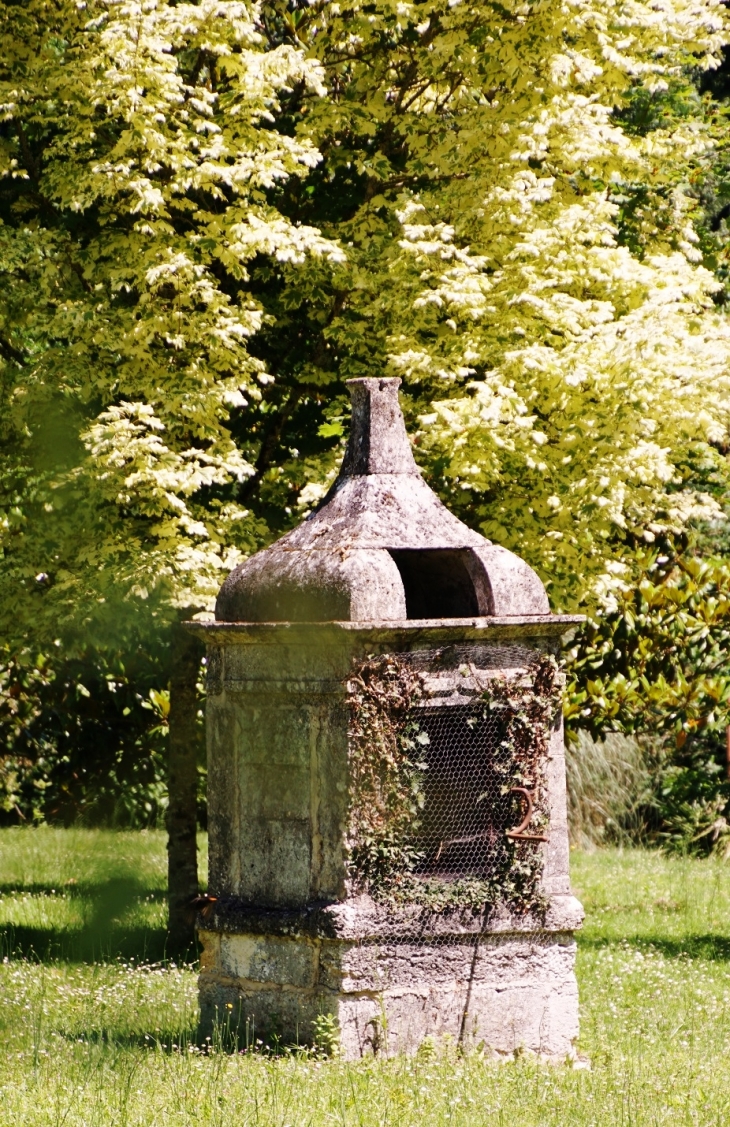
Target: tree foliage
(214, 212)
(83, 738)
(561, 346)
(137, 152)
(657, 659)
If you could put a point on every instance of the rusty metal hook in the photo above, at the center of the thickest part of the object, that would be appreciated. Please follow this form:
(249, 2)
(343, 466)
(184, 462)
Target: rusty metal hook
(519, 832)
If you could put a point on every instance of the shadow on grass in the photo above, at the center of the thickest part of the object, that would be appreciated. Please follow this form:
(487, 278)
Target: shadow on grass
(103, 936)
(81, 890)
(713, 948)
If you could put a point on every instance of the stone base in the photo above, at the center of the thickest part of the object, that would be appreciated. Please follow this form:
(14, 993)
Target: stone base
(502, 993)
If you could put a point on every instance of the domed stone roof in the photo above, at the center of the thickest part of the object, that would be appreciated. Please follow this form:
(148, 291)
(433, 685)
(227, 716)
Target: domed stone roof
(381, 547)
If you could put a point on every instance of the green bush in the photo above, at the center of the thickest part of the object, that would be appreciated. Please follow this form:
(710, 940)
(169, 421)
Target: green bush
(84, 739)
(654, 666)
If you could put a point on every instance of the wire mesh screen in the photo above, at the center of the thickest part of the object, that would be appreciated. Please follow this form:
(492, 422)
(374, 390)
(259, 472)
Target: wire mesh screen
(470, 803)
(449, 803)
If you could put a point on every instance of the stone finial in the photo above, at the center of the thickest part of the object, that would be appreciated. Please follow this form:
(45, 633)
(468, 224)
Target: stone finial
(378, 441)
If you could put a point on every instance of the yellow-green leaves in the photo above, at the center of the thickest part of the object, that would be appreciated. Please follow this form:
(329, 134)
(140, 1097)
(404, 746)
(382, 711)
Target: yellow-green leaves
(213, 212)
(561, 370)
(138, 147)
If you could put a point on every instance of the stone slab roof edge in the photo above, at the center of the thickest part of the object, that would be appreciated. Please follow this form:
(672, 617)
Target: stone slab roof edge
(438, 631)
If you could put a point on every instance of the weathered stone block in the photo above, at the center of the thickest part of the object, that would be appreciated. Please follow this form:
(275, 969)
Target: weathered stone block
(286, 962)
(503, 995)
(269, 1014)
(275, 858)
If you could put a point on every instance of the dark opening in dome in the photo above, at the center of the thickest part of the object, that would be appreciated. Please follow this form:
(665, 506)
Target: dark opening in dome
(436, 582)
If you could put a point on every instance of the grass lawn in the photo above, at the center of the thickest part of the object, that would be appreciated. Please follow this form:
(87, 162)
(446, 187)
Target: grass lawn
(98, 1029)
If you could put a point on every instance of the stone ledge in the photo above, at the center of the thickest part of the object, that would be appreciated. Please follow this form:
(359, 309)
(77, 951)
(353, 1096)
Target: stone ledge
(210, 979)
(401, 632)
(362, 919)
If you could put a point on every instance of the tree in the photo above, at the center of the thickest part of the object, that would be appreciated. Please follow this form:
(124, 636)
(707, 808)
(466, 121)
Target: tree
(136, 153)
(523, 254)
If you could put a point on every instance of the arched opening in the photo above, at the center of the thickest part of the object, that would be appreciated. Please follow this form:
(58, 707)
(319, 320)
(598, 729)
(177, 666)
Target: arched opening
(437, 582)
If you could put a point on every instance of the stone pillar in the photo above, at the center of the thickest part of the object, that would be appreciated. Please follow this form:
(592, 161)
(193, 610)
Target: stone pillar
(288, 939)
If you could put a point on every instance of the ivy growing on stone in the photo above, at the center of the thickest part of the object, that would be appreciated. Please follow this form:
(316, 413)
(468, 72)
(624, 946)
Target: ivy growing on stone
(385, 770)
(388, 766)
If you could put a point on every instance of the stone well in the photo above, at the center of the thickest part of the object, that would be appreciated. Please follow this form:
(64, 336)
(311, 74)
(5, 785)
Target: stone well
(386, 781)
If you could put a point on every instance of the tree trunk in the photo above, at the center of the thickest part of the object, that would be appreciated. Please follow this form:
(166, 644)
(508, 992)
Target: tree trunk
(182, 785)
